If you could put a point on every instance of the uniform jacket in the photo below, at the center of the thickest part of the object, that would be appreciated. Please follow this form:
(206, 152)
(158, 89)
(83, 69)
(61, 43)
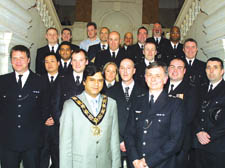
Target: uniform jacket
(79, 147)
(155, 134)
(63, 71)
(212, 118)
(105, 56)
(190, 96)
(135, 53)
(22, 111)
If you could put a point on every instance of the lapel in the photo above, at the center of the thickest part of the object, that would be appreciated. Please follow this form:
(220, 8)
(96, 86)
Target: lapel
(216, 91)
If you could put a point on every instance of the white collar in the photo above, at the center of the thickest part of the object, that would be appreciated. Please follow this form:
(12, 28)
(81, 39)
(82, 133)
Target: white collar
(54, 76)
(156, 95)
(215, 84)
(24, 77)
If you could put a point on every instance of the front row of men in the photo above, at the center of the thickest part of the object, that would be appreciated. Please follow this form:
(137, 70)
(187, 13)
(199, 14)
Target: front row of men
(147, 128)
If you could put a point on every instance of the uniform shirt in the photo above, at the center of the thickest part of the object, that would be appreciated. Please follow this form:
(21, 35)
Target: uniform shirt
(147, 62)
(67, 63)
(156, 95)
(192, 60)
(75, 74)
(175, 84)
(55, 47)
(54, 76)
(112, 83)
(116, 52)
(24, 77)
(214, 85)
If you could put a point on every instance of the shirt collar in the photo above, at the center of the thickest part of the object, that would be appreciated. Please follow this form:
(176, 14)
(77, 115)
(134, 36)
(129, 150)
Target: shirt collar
(215, 84)
(112, 83)
(67, 63)
(55, 47)
(54, 76)
(175, 84)
(156, 95)
(131, 85)
(147, 61)
(192, 60)
(116, 51)
(24, 77)
(78, 74)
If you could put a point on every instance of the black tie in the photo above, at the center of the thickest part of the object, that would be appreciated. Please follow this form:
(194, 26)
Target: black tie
(20, 81)
(52, 79)
(77, 82)
(52, 51)
(175, 47)
(210, 88)
(113, 55)
(109, 85)
(127, 93)
(142, 47)
(157, 41)
(171, 88)
(190, 61)
(151, 102)
(103, 47)
(65, 65)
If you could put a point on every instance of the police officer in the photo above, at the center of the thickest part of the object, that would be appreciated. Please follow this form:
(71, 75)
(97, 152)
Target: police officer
(24, 102)
(155, 131)
(209, 139)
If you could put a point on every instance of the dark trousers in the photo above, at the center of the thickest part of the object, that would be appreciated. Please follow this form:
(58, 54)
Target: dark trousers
(183, 159)
(205, 159)
(12, 159)
(50, 148)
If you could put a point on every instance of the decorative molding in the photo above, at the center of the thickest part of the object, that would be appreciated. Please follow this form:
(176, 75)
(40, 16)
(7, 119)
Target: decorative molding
(48, 14)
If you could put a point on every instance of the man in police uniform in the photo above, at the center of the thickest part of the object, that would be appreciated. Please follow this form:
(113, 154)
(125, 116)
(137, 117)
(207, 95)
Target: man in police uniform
(23, 102)
(155, 131)
(89, 134)
(209, 141)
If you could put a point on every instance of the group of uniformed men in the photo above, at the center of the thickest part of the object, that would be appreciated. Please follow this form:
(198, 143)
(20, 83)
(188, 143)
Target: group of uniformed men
(148, 105)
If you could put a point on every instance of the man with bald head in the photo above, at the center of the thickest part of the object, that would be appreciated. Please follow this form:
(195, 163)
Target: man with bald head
(128, 40)
(160, 41)
(124, 93)
(113, 54)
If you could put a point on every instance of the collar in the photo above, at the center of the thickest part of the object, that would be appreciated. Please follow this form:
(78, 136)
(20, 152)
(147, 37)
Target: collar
(159, 39)
(172, 44)
(131, 85)
(147, 61)
(106, 45)
(54, 76)
(78, 74)
(215, 84)
(156, 95)
(175, 84)
(112, 83)
(55, 47)
(24, 77)
(192, 60)
(67, 63)
(140, 45)
(116, 51)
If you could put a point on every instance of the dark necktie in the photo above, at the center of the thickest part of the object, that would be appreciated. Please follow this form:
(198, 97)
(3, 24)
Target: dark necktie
(210, 88)
(157, 41)
(52, 51)
(113, 55)
(52, 79)
(151, 102)
(20, 81)
(103, 47)
(65, 65)
(77, 82)
(189, 64)
(142, 47)
(171, 88)
(127, 93)
(109, 85)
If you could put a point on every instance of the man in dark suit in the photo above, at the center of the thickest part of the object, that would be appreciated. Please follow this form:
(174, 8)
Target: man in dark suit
(195, 69)
(70, 84)
(174, 49)
(155, 131)
(103, 45)
(209, 140)
(65, 58)
(113, 53)
(160, 42)
(24, 107)
(51, 141)
(128, 40)
(178, 87)
(136, 51)
(124, 93)
(52, 46)
(66, 35)
(149, 53)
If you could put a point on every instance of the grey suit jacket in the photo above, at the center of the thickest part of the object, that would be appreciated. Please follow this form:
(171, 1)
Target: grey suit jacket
(79, 147)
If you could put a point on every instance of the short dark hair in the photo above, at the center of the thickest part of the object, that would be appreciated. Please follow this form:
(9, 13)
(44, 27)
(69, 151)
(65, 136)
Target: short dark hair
(216, 59)
(90, 70)
(20, 48)
(180, 59)
(53, 29)
(66, 28)
(80, 50)
(65, 43)
(157, 64)
(190, 40)
(52, 54)
(92, 24)
(142, 27)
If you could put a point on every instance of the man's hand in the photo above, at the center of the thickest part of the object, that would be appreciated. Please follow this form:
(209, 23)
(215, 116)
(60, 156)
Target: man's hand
(203, 137)
(122, 147)
(140, 163)
(49, 121)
